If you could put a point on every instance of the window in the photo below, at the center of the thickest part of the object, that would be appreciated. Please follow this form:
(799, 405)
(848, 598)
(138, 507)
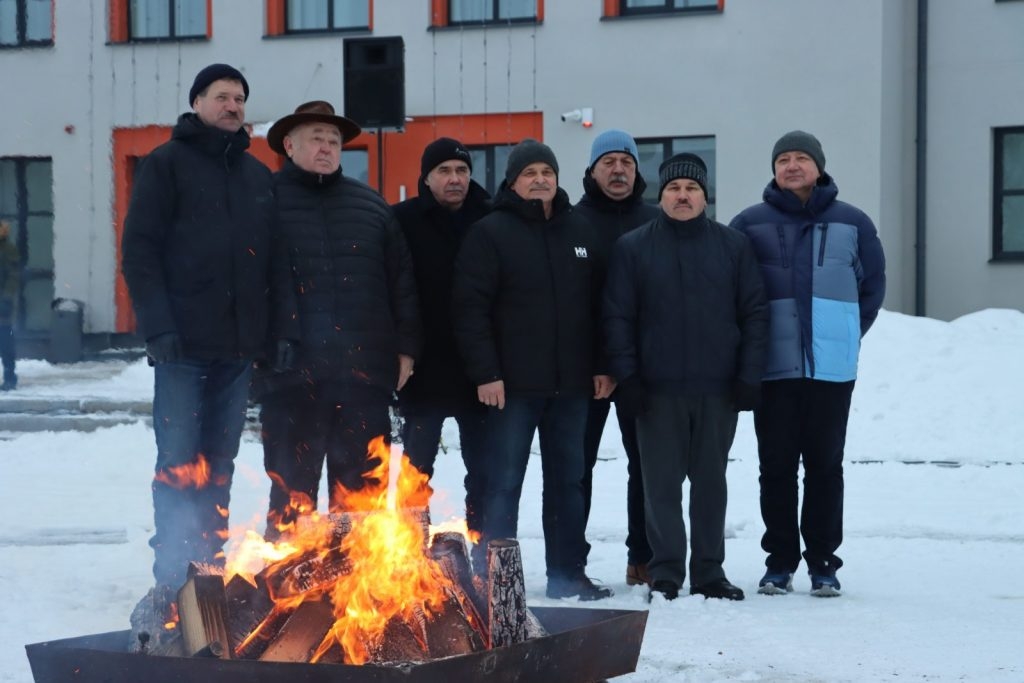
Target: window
(476, 12)
(1008, 200)
(26, 22)
(655, 150)
(489, 165)
(355, 163)
(326, 15)
(26, 200)
(141, 20)
(634, 7)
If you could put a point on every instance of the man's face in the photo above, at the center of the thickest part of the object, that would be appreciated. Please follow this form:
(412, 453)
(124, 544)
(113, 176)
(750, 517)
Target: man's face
(683, 199)
(222, 105)
(615, 174)
(314, 147)
(797, 172)
(536, 181)
(449, 183)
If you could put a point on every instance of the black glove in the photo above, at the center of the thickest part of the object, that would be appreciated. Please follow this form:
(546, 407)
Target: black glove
(631, 397)
(6, 308)
(164, 348)
(284, 355)
(746, 396)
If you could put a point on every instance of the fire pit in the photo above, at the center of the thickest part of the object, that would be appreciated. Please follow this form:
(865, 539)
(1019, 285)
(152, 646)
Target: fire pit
(582, 645)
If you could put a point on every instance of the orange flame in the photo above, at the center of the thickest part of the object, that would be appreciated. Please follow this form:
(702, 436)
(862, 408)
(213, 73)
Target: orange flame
(195, 475)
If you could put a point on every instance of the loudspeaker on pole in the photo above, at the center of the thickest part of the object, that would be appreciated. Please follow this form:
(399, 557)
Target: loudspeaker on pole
(374, 71)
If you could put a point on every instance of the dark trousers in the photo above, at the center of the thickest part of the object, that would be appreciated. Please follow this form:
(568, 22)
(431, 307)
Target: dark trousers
(421, 436)
(198, 410)
(304, 426)
(560, 422)
(686, 438)
(638, 550)
(802, 419)
(7, 354)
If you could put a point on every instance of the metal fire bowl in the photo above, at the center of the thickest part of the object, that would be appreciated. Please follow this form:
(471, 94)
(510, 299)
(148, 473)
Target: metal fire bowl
(583, 645)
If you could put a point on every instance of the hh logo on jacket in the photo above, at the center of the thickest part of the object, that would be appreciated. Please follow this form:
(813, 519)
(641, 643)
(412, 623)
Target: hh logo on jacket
(581, 252)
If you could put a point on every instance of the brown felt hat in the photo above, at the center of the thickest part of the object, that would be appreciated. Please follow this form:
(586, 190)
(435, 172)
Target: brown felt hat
(317, 111)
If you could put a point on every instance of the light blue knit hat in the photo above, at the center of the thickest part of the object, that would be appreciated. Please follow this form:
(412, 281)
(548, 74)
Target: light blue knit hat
(613, 140)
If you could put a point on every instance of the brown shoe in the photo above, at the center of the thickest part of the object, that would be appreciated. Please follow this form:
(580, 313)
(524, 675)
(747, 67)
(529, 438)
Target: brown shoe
(636, 575)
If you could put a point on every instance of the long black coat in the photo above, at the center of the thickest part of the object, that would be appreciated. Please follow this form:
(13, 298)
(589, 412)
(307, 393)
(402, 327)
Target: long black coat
(524, 299)
(434, 235)
(685, 307)
(353, 282)
(197, 247)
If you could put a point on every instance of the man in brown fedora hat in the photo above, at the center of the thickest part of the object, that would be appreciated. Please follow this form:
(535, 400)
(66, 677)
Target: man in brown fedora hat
(357, 309)
(198, 261)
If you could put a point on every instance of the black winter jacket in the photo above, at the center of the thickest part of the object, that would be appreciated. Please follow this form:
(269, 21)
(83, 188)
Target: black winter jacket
(434, 235)
(611, 219)
(685, 308)
(353, 282)
(197, 250)
(525, 289)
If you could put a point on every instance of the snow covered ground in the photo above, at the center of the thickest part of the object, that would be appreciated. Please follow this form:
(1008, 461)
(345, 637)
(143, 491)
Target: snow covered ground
(934, 544)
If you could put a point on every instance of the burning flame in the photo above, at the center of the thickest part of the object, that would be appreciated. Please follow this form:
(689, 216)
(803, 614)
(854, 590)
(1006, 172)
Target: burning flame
(195, 475)
(391, 577)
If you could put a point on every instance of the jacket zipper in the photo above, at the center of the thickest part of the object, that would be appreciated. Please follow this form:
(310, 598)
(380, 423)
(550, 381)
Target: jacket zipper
(782, 246)
(821, 248)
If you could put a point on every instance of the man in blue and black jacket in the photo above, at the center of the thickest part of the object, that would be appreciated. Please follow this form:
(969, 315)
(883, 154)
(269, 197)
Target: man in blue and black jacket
(824, 273)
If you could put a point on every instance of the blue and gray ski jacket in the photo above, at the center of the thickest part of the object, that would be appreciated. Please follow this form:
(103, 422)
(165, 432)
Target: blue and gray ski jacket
(824, 273)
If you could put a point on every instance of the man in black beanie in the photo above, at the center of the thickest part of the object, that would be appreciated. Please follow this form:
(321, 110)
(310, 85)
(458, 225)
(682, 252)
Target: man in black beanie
(686, 326)
(208, 289)
(435, 223)
(525, 321)
(824, 270)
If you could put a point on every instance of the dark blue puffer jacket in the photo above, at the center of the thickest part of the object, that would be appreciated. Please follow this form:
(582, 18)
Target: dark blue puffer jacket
(824, 272)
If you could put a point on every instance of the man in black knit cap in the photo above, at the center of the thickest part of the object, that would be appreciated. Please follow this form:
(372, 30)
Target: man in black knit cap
(686, 324)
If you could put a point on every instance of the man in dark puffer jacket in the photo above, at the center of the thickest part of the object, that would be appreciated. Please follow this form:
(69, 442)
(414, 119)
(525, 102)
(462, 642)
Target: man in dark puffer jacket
(199, 261)
(687, 329)
(525, 321)
(353, 282)
(435, 223)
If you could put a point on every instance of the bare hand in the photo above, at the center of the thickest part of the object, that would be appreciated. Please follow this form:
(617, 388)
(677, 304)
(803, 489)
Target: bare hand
(604, 385)
(492, 394)
(405, 364)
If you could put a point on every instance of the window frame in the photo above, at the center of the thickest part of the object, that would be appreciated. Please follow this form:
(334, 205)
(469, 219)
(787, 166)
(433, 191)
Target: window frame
(1000, 192)
(440, 16)
(21, 28)
(618, 8)
(285, 30)
(119, 29)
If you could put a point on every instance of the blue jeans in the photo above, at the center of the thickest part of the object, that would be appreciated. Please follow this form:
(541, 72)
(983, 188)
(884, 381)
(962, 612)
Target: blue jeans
(198, 409)
(421, 436)
(561, 422)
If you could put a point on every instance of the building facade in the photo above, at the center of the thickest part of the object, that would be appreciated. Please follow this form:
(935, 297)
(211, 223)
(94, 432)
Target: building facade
(919, 106)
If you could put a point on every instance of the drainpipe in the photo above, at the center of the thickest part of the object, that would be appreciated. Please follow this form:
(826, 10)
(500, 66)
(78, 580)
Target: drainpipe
(921, 157)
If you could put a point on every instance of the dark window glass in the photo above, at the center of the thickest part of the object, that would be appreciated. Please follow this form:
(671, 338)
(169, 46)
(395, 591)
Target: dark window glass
(1008, 213)
(26, 201)
(482, 11)
(489, 165)
(151, 19)
(653, 151)
(651, 6)
(327, 15)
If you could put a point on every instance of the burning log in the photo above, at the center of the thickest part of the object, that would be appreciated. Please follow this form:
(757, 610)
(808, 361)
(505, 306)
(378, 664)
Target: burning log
(301, 634)
(260, 638)
(398, 642)
(248, 605)
(451, 631)
(203, 610)
(507, 613)
(449, 551)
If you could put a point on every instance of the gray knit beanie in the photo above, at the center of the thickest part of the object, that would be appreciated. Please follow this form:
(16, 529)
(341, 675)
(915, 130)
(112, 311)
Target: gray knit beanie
(799, 141)
(686, 165)
(527, 152)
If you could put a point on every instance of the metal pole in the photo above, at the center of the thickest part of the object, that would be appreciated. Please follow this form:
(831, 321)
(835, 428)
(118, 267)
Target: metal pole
(380, 161)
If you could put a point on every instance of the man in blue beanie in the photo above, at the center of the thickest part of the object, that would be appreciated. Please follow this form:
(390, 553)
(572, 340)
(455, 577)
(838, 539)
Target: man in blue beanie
(824, 272)
(612, 205)
(208, 293)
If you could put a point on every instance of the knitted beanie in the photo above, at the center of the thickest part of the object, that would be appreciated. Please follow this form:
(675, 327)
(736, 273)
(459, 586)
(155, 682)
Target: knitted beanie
(613, 140)
(212, 73)
(442, 150)
(685, 165)
(799, 141)
(527, 152)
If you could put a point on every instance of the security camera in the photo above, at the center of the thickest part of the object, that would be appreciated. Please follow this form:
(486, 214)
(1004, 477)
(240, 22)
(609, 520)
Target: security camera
(585, 115)
(574, 115)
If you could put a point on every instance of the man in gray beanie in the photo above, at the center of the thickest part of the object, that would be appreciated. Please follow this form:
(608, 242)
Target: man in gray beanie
(686, 327)
(823, 270)
(209, 291)
(524, 303)
(612, 205)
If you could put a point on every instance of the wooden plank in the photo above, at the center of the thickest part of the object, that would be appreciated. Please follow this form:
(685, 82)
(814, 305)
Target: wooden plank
(203, 611)
(302, 634)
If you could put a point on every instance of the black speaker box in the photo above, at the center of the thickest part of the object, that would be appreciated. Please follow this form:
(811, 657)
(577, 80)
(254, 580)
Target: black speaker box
(375, 81)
